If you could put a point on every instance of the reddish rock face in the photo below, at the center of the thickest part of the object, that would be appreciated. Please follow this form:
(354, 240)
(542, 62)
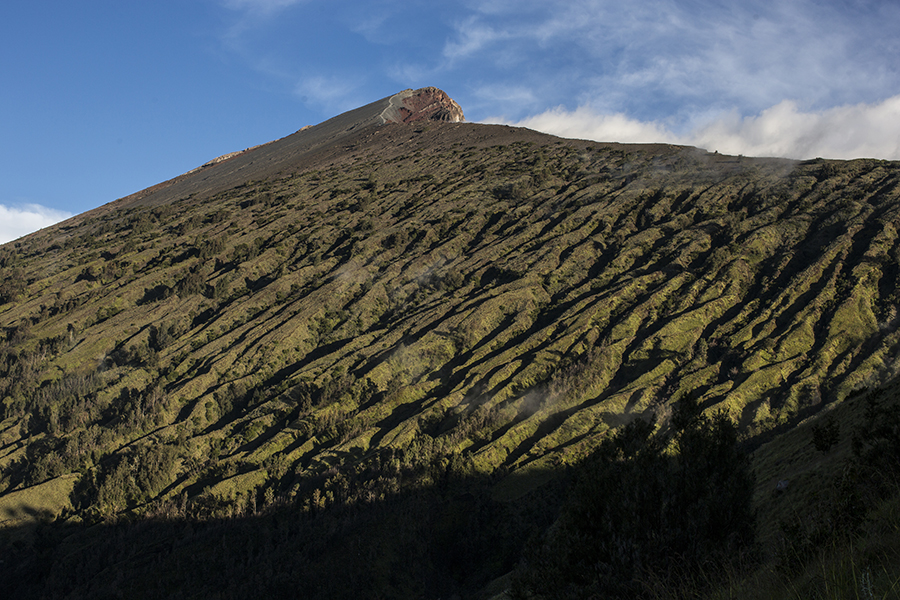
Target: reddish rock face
(425, 104)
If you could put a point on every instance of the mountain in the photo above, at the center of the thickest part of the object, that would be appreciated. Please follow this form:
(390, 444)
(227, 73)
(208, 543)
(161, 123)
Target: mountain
(383, 343)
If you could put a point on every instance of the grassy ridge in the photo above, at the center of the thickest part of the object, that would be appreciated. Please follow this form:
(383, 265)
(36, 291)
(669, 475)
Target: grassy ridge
(447, 292)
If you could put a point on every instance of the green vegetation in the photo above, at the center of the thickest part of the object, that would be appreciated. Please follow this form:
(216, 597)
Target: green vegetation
(391, 361)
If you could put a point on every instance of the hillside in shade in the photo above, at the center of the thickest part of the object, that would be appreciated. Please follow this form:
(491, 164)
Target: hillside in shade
(337, 324)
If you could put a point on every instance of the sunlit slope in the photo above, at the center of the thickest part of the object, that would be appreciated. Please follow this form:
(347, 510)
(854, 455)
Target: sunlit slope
(441, 289)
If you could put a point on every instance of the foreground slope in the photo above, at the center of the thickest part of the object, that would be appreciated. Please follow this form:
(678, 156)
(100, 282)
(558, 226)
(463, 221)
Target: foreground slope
(299, 323)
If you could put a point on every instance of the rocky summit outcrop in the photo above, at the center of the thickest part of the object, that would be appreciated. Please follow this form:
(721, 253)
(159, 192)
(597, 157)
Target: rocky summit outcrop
(425, 104)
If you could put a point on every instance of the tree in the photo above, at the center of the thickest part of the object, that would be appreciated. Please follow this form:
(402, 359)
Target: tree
(648, 505)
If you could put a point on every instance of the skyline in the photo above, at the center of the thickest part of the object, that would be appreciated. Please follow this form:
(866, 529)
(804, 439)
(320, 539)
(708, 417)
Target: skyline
(105, 99)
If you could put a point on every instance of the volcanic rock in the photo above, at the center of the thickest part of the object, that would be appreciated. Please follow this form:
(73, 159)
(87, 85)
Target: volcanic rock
(425, 104)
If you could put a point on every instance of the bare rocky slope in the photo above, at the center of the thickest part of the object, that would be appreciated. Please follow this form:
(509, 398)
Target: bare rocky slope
(363, 307)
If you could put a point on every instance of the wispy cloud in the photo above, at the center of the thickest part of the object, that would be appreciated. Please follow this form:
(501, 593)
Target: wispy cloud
(851, 131)
(261, 7)
(331, 92)
(16, 221)
(249, 15)
(292, 43)
(472, 37)
(669, 57)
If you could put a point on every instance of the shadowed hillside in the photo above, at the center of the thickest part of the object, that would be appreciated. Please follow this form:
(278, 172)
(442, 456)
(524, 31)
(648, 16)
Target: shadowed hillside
(301, 324)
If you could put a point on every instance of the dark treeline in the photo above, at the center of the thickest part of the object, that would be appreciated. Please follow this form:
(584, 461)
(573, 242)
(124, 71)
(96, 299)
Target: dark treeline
(412, 524)
(655, 511)
(648, 507)
(427, 542)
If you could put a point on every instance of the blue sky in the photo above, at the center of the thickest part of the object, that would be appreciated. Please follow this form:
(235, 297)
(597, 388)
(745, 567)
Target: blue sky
(102, 98)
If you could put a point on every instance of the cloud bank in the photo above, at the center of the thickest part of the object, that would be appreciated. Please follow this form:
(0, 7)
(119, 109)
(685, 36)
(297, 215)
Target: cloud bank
(16, 221)
(679, 58)
(783, 130)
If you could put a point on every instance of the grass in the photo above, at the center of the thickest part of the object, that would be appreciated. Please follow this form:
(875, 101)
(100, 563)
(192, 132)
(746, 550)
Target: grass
(44, 501)
(837, 573)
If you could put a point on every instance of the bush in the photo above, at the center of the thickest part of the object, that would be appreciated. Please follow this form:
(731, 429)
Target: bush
(12, 286)
(826, 434)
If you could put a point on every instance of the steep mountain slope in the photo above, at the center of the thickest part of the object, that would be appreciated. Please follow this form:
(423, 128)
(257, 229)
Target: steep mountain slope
(356, 308)
(295, 151)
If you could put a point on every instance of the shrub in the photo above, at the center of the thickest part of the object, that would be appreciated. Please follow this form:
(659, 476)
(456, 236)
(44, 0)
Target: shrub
(826, 434)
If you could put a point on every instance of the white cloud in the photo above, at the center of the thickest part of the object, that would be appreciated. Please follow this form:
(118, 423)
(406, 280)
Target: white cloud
(672, 58)
(584, 123)
(855, 131)
(16, 221)
(852, 131)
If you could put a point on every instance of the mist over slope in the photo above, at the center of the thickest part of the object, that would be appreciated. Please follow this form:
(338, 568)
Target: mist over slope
(360, 307)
